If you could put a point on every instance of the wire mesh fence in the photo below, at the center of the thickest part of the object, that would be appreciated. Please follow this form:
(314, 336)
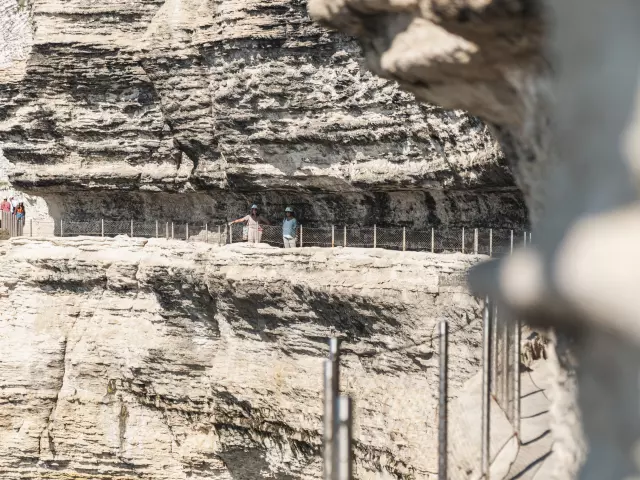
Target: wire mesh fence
(317, 237)
(390, 238)
(111, 228)
(442, 239)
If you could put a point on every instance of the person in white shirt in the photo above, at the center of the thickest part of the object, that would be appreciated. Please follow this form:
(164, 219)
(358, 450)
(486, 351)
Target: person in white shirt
(253, 222)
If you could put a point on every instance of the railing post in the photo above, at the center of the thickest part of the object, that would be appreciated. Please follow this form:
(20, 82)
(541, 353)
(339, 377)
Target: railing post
(475, 241)
(61, 228)
(506, 348)
(462, 239)
(157, 231)
(404, 238)
(442, 404)
(486, 393)
(511, 251)
(432, 240)
(375, 236)
(166, 230)
(172, 231)
(31, 227)
(529, 238)
(525, 239)
(516, 380)
(491, 242)
(495, 329)
(331, 392)
(333, 236)
(219, 235)
(102, 227)
(345, 235)
(343, 432)
(206, 232)
(301, 235)
(132, 228)
(186, 232)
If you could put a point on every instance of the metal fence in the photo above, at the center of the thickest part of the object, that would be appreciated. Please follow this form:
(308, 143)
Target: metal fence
(442, 239)
(500, 382)
(11, 224)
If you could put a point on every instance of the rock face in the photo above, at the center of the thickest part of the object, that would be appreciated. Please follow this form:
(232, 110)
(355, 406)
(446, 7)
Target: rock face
(194, 108)
(485, 57)
(125, 358)
(488, 57)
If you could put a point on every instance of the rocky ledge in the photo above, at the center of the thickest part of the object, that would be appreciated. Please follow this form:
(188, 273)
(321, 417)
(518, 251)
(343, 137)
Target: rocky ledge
(127, 358)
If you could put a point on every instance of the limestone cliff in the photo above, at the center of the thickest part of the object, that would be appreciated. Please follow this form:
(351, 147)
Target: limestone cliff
(193, 108)
(489, 57)
(125, 358)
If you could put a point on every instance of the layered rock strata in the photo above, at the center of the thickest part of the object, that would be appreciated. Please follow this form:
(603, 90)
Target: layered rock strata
(126, 358)
(489, 58)
(484, 57)
(230, 103)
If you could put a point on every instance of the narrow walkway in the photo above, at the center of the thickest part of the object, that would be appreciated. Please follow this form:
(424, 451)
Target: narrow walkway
(535, 456)
(530, 459)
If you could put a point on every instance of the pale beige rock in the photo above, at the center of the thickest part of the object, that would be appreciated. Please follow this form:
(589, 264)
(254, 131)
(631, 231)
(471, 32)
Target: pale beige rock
(170, 360)
(582, 178)
(194, 109)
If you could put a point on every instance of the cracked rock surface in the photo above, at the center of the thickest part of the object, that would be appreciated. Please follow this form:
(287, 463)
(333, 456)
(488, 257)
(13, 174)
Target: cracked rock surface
(193, 109)
(126, 358)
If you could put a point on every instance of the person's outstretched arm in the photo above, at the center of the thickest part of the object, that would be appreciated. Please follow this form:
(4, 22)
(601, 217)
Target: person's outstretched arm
(239, 220)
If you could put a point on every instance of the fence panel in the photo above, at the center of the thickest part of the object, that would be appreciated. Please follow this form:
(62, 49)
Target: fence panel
(448, 240)
(359, 237)
(418, 240)
(205, 232)
(316, 237)
(468, 239)
(484, 236)
(502, 242)
(92, 228)
(390, 238)
(113, 227)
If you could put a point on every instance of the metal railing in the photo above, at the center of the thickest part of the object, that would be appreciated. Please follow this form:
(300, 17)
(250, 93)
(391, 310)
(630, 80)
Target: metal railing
(442, 239)
(338, 421)
(501, 339)
(501, 342)
(12, 224)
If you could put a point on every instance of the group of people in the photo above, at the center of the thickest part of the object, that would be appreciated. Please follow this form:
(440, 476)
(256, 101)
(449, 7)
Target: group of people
(254, 221)
(14, 207)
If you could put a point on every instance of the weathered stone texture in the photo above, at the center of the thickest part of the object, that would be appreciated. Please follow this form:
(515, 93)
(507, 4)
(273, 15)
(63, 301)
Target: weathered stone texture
(124, 358)
(484, 57)
(242, 101)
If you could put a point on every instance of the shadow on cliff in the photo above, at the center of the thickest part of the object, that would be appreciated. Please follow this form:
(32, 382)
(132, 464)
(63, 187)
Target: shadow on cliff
(247, 463)
(182, 296)
(265, 309)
